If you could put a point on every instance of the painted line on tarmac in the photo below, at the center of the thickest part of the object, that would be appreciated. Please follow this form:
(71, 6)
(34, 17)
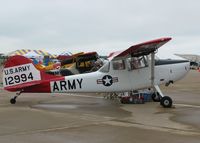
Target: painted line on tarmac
(187, 105)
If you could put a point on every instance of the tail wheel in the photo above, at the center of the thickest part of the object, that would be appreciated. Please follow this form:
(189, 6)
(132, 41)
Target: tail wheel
(166, 102)
(155, 97)
(12, 100)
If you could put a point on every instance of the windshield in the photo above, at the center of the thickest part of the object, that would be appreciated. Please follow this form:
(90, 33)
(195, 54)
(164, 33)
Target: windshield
(106, 67)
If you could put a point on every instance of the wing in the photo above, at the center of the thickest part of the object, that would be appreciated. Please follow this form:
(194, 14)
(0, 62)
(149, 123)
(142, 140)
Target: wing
(140, 49)
(190, 57)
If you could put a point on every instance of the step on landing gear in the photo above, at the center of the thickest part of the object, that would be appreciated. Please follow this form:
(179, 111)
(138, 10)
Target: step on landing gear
(13, 100)
(156, 97)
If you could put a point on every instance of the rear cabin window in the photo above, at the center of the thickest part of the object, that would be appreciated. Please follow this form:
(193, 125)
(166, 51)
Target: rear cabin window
(118, 65)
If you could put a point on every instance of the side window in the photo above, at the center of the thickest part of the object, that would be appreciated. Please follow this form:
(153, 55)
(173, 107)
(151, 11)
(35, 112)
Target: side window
(137, 62)
(118, 65)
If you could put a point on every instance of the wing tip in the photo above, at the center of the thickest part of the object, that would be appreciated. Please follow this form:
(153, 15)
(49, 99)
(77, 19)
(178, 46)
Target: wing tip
(166, 39)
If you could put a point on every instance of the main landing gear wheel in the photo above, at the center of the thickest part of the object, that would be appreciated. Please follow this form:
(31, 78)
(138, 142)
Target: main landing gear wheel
(156, 97)
(166, 102)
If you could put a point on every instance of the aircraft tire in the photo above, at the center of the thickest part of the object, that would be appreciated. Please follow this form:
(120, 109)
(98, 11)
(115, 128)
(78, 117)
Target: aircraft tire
(155, 98)
(12, 100)
(166, 102)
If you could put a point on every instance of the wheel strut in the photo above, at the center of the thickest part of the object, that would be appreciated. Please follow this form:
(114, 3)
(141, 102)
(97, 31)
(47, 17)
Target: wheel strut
(13, 100)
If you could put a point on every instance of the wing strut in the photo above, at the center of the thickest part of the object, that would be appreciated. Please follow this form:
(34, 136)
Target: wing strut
(152, 68)
(154, 86)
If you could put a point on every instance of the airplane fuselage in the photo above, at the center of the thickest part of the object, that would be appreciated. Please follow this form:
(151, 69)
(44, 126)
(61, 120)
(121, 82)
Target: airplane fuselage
(107, 79)
(121, 80)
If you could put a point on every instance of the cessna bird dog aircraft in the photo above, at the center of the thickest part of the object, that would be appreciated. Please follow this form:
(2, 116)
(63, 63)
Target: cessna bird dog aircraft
(132, 69)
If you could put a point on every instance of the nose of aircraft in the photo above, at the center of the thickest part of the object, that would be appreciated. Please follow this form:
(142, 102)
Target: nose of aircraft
(179, 69)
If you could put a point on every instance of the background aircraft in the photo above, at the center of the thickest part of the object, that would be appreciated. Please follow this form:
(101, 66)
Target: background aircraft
(194, 60)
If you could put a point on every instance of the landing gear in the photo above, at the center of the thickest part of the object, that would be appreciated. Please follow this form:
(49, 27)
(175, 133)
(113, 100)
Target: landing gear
(156, 97)
(166, 102)
(13, 100)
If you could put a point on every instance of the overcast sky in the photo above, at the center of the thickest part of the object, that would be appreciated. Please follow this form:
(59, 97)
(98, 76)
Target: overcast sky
(99, 25)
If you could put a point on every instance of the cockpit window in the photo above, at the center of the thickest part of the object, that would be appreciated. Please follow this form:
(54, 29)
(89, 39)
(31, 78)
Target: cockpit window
(118, 65)
(137, 62)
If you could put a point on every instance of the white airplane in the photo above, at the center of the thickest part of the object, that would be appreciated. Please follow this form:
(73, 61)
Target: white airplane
(194, 60)
(132, 69)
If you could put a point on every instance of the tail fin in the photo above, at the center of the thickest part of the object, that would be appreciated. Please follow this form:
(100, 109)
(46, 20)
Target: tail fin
(19, 70)
(16, 60)
(20, 74)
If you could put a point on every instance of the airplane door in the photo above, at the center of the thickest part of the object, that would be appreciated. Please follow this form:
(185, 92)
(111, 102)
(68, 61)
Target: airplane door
(119, 70)
(139, 72)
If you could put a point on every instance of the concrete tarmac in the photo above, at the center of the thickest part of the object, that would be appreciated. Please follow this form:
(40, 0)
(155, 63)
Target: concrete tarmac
(88, 118)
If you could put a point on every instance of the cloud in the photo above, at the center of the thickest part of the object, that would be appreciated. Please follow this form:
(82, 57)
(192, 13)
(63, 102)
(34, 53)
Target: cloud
(102, 26)
(12, 43)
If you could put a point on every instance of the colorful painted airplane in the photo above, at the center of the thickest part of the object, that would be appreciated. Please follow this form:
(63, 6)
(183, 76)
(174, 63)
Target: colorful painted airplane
(54, 66)
(132, 69)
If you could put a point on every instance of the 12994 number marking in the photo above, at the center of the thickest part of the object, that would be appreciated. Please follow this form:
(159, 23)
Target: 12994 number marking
(18, 79)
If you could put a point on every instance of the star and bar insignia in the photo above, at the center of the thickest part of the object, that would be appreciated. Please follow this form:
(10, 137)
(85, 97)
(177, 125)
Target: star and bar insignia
(107, 80)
